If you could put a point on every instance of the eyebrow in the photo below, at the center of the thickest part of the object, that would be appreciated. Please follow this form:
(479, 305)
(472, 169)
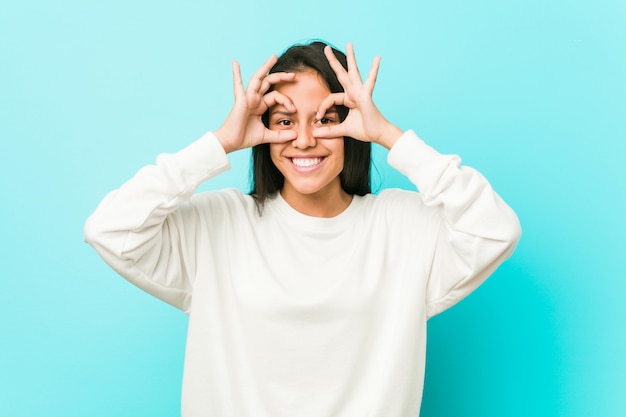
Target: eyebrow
(283, 112)
(288, 113)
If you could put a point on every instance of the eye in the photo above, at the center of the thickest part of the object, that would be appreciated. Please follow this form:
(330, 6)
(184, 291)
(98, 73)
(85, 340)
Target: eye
(325, 120)
(284, 122)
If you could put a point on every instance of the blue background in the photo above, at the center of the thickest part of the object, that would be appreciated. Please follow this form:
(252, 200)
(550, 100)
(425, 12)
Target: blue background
(532, 93)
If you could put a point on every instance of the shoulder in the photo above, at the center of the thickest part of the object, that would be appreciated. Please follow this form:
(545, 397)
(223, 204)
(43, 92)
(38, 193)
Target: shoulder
(395, 198)
(224, 203)
(397, 204)
(227, 196)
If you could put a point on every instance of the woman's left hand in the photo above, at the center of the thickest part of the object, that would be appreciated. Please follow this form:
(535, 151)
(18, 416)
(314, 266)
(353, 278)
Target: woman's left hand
(364, 121)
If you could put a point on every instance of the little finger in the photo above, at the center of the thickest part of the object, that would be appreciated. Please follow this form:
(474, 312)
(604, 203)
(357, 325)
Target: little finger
(237, 82)
(370, 81)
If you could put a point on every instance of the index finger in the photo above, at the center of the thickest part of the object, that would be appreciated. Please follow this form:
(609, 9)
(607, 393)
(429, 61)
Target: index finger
(275, 78)
(334, 99)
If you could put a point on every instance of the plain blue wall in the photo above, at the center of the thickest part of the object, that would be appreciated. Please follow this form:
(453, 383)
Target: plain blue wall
(532, 93)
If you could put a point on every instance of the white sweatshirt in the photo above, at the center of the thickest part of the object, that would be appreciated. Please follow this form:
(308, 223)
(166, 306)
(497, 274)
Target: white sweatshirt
(297, 316)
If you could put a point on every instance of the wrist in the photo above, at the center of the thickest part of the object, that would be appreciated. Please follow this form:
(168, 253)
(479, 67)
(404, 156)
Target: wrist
(221, 137)
(390, 135)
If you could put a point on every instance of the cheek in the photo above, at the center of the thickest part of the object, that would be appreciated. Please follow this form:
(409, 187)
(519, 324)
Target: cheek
(275, 151)
(338, 150)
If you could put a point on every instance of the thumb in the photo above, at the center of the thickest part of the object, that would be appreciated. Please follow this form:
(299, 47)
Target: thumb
(330, 132)
(278, 136)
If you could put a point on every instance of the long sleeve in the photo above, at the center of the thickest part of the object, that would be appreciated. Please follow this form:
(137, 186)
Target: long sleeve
(477, 230)
(139, 231)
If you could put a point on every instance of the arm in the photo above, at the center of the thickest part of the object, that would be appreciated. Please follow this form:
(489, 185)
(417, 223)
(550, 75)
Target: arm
(477, 231)
(139, 229)
(146, 229)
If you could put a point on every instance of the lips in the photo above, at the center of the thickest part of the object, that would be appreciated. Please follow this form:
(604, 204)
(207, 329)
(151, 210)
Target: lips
(305, 164)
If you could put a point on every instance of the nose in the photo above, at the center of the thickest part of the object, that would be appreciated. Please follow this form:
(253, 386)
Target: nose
(305, 138)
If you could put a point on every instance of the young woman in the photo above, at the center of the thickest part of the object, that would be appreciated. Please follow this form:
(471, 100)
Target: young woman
(310, 296)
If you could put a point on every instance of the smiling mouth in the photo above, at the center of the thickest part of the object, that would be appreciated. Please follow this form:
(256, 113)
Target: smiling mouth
(307, 162)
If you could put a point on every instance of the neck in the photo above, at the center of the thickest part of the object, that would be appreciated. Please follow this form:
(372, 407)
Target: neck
(321, 204)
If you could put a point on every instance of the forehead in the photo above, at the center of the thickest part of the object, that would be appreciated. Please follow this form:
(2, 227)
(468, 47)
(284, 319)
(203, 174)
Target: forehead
(307, 85)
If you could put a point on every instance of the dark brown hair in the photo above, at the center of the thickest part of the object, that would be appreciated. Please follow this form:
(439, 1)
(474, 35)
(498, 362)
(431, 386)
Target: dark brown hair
(355, 177)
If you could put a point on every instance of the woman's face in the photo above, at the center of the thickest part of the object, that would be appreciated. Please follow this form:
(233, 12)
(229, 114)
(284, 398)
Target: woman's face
(311, 166)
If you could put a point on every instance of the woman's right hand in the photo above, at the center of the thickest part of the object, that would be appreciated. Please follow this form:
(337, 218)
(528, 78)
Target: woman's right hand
(243, 127)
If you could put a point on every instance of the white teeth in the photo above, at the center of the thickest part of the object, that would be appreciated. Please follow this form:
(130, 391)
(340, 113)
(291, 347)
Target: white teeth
(306, 162)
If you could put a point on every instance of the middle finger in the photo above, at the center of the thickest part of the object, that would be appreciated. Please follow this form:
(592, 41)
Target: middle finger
(257, 78)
